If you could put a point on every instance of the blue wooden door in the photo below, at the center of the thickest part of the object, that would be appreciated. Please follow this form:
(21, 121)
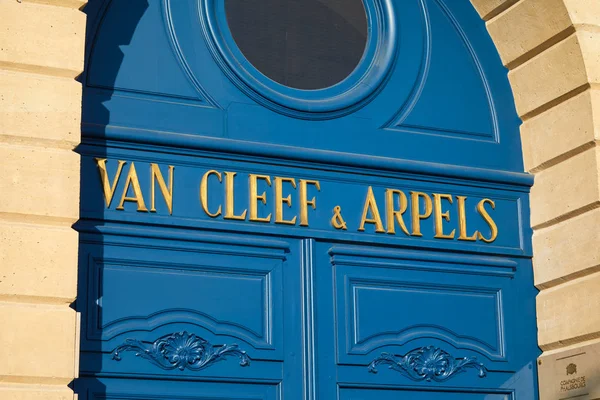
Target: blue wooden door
(307, 200)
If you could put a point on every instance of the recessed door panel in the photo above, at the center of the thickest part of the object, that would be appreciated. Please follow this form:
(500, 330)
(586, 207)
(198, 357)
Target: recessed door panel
(393, 302)
(185, 306)
(420, 319)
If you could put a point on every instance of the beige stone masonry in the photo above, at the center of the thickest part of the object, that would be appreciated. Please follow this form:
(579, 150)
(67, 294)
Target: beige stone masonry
(584, 12)
(568, 313)
(567, 250)
(42, 38)
(555, 378)
(41, 52)
(39, 347)
(549, 76)
(34, 392)
(77, 4)
(589, 37)
(42, 181)
(552, 48)
(45, 274)
(562, 131)
(581, 12)
(40, 108)
(489, 8)
(566, 189)
(523, 27)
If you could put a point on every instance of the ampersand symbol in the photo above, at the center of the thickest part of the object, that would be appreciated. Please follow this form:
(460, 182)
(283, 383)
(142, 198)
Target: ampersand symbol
(337, 221)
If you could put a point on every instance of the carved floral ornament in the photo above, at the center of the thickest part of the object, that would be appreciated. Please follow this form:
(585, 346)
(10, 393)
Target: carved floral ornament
(427, 364)
(181, 350)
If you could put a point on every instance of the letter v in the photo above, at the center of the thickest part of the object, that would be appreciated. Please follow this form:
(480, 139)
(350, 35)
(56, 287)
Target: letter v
(109, 189)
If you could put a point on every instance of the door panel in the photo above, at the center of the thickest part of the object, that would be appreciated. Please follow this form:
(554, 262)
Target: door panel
(406, 319)
(162, 303)
(393, 301)
(137, 286)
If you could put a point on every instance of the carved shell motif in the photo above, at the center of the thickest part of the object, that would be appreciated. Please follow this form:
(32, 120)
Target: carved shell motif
(181, 350)
(427, 363)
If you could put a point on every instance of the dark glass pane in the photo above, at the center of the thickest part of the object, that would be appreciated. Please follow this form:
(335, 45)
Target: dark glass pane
(304, 44)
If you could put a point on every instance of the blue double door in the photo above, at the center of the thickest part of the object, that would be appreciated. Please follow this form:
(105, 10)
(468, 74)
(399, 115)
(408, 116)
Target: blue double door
(202, 303)
(301, 200)
(182, 315)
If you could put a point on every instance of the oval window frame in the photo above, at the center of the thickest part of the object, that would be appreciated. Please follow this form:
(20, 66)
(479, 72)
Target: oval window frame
(350, 94)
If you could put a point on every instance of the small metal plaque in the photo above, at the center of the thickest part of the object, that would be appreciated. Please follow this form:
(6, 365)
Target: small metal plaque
(570, 375)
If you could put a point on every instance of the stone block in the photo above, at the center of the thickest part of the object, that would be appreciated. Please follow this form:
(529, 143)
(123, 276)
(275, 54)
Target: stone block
(39, 181)
(61, 3)
(485, 8)
(548, 76)
(589, 38)
(571, 373)
(527, 25)
(567, 250)
(37, 342)
(584, 12)
(40, 107)
(568, 313)
(38, 260)
(35, 392)
(565, 189)
(42, 35)
(560, 130)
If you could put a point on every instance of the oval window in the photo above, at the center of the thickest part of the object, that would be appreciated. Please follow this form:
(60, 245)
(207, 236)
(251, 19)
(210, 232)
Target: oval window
(302, 44)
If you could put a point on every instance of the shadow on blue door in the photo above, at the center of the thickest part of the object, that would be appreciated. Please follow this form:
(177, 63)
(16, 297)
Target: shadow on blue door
(120, 35)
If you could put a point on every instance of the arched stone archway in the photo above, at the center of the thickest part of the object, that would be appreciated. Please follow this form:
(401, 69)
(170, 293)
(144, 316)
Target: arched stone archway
(551, 47)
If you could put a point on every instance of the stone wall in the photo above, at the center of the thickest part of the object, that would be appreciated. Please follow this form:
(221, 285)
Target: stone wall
(552, 49)
(41, 53)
